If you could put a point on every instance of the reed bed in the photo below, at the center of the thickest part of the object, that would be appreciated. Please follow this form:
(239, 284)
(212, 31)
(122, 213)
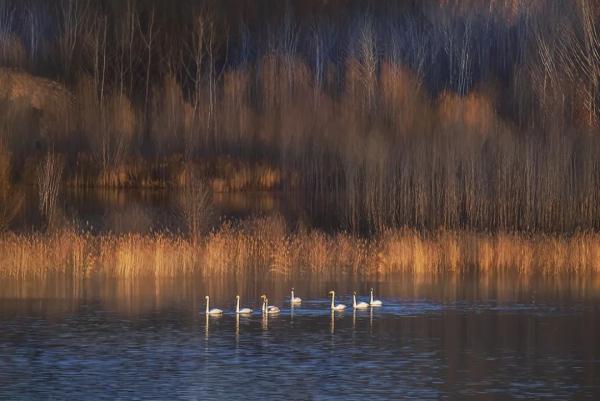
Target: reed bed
(266, 246)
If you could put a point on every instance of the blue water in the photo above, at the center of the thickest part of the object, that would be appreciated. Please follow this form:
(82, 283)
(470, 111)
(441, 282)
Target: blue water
(411, 348)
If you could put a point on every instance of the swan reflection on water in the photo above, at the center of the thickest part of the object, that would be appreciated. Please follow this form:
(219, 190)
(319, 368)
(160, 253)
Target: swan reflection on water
(208, 317)
(265, 321)
(292, 307)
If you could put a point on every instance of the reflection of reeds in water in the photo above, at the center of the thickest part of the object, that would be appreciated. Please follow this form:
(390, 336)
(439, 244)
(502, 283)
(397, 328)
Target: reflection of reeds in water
(265, 245)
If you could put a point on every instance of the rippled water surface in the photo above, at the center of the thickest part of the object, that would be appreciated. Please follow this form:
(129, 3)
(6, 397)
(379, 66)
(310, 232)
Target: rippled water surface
(445, 339)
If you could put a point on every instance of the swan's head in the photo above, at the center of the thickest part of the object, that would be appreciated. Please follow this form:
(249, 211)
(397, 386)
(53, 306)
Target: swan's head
(371, 290)
(237, 297)
(331, 292)
(263, 297)
(292, 288)
(354, 293)
(206, 297)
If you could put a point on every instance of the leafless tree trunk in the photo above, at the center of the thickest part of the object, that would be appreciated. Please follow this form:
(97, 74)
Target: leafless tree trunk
(73, 16)
(196, 204)
(49, 177)
(33, 39)
(197, 52)
(148, 36)
(7, 16)
(368, 61)
(590, 56)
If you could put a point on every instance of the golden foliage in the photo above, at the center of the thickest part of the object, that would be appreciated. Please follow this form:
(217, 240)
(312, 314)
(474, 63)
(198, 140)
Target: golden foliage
(474, 111)
(52, 100)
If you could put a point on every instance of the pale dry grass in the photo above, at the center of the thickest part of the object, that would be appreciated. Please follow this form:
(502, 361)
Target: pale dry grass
(265, 246)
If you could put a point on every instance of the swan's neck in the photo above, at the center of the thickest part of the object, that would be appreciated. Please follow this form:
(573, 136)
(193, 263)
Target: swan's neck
(237, 305)
(292, 295)
(354, 300)
(371, 296)
(332, 300)
(207, 301)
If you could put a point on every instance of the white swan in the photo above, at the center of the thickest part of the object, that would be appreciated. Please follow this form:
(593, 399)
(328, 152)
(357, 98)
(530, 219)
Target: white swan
(214, 311)
(375, 302)
(338, 307)
(272, 310)
(295, 300)
(360, 305)
(243, 311)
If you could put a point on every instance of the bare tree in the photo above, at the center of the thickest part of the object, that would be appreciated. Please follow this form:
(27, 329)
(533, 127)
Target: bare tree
(7, 16)
(125, 37)
(589, 57)
(49, 177)
(197, 51)
(196, 48)
(196, 204)
(73, 18)
(464, 74)
(33, 23)
(148, 35)
(368, 61)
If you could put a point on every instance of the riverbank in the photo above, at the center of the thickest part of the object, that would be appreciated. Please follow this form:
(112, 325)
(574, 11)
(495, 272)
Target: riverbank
(266, 246)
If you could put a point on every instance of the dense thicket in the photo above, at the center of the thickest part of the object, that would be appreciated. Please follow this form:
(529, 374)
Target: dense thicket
(457, 114)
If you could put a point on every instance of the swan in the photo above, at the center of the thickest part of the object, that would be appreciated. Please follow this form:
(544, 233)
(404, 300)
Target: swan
(338, 307)
(295, 300)
(360, 305)
(375, 302)
(268, 309)
(214, 311)
(243, 311)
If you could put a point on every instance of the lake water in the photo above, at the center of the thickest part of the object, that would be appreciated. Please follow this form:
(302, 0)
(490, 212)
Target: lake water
(448, 337)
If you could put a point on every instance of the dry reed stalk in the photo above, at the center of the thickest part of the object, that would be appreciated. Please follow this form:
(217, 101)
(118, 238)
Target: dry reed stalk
(264, 246)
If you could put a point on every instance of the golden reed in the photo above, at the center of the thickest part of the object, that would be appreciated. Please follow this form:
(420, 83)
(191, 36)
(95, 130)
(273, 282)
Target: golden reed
(266, 246)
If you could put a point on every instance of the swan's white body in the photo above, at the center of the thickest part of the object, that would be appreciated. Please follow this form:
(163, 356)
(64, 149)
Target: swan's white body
(214, 311)
(243, 311)
(270, 310)
(295, 300)
(338, 307)
(360, 305)
(375, 302)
